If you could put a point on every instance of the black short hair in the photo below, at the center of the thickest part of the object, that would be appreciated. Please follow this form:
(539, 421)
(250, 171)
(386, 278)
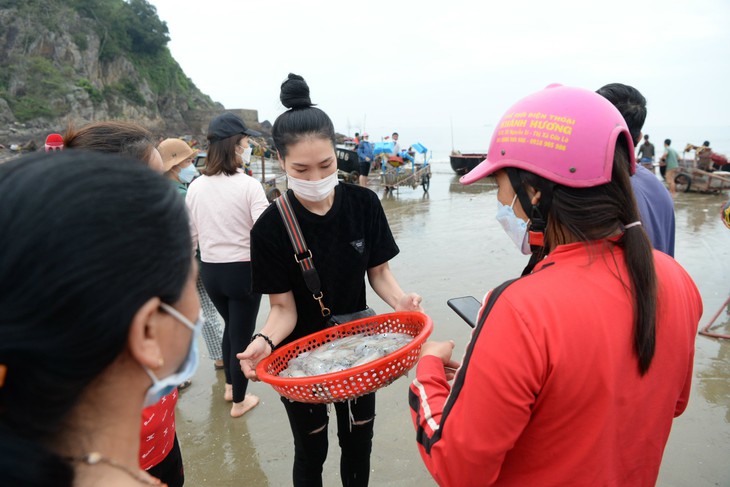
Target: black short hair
(87, 239)
(630, 102)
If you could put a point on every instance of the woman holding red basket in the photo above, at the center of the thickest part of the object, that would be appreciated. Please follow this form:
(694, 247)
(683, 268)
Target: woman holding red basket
(349, 238)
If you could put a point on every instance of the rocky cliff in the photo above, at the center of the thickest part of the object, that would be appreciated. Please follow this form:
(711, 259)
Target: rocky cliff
(76, 61)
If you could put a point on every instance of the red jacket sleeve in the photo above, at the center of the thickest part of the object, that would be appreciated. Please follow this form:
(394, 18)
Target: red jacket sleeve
(465, 431)
(694, 308)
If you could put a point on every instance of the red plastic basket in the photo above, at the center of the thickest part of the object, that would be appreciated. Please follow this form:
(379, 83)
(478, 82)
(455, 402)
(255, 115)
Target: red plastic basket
(356, 381)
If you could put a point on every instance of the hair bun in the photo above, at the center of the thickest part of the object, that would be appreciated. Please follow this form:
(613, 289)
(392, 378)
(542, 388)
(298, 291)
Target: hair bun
(295, 92)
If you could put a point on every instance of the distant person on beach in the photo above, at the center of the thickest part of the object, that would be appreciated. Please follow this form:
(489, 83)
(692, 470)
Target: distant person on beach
(224, 203)
(177, 161)
(646, 153)
(656, 206)
(670, 158)
(347, 233)
(365, 155)
(98, 316)
(396, 145)
(159, 451)
(574, 371)
(54, 142)
(704, 156)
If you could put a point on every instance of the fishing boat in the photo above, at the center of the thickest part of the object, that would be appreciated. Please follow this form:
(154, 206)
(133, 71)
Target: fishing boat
(348, 162)
(463, 163)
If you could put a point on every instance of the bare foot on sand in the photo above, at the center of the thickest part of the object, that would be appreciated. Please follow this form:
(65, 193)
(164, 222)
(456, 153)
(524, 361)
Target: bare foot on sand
(228, 395)
(240, 408)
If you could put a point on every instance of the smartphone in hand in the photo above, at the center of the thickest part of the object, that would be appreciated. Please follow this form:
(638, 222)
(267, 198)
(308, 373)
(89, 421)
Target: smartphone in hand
(467, 307)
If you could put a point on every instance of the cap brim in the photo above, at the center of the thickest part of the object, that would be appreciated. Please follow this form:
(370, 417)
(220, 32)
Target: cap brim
(166, 166)
(252, 133)
(483, 169)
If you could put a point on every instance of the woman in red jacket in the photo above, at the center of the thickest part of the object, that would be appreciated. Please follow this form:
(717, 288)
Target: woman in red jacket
(575, 370)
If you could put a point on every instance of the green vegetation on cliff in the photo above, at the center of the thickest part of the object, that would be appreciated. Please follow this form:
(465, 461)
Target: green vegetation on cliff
(36, 85)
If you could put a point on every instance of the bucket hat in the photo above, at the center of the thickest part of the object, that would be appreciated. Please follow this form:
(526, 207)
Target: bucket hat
(173, 152)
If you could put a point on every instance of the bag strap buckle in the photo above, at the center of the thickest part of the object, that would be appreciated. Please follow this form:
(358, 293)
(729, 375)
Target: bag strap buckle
(324, 309)
(307, 254)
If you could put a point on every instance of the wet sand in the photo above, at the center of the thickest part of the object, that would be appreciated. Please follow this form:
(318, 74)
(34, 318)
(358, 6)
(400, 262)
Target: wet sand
(451, 245)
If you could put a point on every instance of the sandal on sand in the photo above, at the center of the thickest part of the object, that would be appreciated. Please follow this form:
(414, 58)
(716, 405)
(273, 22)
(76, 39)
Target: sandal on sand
(218, 365)
(184, 385)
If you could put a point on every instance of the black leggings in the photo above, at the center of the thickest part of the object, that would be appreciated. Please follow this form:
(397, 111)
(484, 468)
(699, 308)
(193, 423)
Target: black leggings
(309, 426)
(229, 287)
(170, 470)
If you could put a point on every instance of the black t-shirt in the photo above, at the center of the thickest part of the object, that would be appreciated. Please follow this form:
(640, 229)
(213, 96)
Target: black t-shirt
(351, 238)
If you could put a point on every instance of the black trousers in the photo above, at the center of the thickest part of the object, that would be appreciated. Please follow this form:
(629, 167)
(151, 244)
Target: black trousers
(170, 470)
(309, 426)
(229, 287)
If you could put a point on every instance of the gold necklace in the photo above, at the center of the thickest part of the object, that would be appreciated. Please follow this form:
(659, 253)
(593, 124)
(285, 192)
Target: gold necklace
(96, 458)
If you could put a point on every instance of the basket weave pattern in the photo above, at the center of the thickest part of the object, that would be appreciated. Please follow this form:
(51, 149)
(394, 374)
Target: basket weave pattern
(356, 381)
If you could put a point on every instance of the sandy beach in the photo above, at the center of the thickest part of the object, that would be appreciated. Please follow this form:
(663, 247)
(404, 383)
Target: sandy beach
(451, 245)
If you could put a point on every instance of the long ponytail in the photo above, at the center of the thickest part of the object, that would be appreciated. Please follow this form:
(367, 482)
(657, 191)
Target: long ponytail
(601, 211)
(640, 265)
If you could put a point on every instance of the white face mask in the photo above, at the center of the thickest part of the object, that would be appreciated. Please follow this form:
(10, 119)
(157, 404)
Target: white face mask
(246, 156)
(164, 386)
(515, 227)
(187, 174)
(313, 190)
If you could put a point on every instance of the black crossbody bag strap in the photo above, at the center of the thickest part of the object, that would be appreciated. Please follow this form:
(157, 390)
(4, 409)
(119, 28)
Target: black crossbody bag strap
(302, 255)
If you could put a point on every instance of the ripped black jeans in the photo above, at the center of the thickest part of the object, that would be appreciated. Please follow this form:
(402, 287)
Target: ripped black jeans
(309, 427)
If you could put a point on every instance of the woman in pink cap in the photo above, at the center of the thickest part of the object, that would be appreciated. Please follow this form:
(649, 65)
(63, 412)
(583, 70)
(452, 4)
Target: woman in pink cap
(575, 370)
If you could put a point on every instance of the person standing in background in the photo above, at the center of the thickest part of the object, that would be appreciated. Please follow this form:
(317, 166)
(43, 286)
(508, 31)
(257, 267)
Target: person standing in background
(54, 142)
(365, 156)
(670, 158)
(224, 203)
(656, 207)
(396, 145)
(703, 155)
(646, 153)
(177, 164)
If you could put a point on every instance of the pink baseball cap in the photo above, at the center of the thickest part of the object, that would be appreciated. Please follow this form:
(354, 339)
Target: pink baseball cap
(566, 135)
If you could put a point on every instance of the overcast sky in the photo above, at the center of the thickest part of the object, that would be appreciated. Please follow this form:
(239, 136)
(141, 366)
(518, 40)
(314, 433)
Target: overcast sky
(432, 65)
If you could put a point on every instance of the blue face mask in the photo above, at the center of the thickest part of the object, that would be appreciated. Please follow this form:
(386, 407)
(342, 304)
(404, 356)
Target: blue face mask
(187, 174)
(515, 227)
(164, 386)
